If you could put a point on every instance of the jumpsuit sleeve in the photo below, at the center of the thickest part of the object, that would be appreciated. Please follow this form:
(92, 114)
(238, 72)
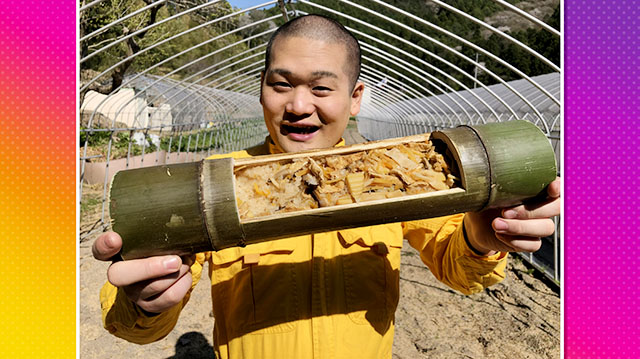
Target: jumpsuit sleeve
(444, 250)
(124, 319)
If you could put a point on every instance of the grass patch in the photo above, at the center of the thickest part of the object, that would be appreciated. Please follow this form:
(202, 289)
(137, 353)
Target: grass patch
(90, 203)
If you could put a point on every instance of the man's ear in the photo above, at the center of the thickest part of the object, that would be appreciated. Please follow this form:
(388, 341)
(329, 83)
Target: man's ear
(261, 82)
(356, 98)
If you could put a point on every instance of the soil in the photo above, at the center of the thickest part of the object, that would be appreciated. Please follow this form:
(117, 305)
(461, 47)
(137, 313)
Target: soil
(517, 318)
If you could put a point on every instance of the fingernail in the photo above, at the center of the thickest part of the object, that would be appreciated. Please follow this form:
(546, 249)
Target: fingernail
(510, 213)
(500, 225)
(172, 263)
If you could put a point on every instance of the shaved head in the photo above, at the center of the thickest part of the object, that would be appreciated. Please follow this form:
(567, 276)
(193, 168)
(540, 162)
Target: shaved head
(318, 27)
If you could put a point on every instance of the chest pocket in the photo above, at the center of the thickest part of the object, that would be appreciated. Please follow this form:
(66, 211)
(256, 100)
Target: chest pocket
(371, 262)
(254, 288)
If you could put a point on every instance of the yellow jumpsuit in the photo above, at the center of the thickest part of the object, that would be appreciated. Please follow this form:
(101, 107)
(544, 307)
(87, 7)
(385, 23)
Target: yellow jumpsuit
(325, 295)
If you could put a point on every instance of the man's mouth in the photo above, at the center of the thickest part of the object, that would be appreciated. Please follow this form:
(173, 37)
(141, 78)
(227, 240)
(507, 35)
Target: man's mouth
(298, 129)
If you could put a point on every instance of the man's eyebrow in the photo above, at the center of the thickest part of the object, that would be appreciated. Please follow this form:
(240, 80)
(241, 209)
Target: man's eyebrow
(315, 74)
(282, 72)
(324, 74)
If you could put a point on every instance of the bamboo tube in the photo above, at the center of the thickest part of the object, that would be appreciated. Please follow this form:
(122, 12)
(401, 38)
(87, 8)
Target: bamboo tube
(189, 208)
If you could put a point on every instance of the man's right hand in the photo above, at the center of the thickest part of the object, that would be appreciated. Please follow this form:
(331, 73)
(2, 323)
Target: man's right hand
(155, 284)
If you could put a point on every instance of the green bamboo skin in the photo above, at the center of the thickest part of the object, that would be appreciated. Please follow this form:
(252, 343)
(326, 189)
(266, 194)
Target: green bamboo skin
(521, 161)
(189, 208)
(156, 210)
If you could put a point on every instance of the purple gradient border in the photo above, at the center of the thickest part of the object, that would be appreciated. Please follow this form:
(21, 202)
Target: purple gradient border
(601, 122)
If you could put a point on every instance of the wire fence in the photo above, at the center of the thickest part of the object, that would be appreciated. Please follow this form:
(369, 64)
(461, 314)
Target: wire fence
(173, 80)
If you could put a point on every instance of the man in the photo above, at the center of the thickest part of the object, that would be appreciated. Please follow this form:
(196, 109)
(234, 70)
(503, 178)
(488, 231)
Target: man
(330, 294)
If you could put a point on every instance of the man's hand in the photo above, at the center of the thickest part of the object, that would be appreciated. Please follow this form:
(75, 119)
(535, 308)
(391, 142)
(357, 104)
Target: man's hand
(515, 229)
(155, 284)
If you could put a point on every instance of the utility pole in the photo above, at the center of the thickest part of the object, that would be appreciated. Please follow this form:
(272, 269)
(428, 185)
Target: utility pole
(475, 72)
(283, 10)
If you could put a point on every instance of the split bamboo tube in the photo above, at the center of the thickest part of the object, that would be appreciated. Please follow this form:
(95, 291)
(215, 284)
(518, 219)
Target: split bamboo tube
(191, 207)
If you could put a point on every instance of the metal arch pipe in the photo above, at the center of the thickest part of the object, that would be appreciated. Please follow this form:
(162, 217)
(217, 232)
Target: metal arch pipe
(190, 10)
(253, 64)
(421, 73)
(417, 108)
(416, 84)
(368, 73)
(516, 93)
(149, 27)
(462, 56)
(386, 56)
(244, 85)
(429, 53)
(261, 61)
(543, 103)
(455, 51)
(246, 100)
(454, 36)
(429, 75)
(396, 115)
(500, 33)
(379, 95)
(119, 20)
(174, 86)
(198, 95)
(393, 93)
(400, 112)
(381, 100)
(423, 62)
(166, 76)
(235, 103)
(242, 69)
(412, 71)
(375, 110)
(217, 63)
(244, 77)
(250, 89)
(235, 77)
(214, 72)
(161, 62)
(89, 5)
(428, 38)
(176, 55)
(204, 98)
(529, 17)
(249, 100)
(230, 105)
(183, 88)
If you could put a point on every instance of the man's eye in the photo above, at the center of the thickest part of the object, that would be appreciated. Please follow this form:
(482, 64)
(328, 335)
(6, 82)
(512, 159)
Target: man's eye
(280, 85)
(321, 89)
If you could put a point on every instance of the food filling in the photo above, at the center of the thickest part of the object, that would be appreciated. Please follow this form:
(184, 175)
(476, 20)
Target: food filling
(313, 182)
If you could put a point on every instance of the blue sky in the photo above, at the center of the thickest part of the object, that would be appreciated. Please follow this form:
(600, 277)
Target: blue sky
(243, 4)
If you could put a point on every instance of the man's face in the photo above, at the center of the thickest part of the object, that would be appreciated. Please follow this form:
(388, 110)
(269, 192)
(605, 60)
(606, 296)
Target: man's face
(306, 94)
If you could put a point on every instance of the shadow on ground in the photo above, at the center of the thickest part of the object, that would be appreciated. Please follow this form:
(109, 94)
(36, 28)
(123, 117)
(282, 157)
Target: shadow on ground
(193, 345)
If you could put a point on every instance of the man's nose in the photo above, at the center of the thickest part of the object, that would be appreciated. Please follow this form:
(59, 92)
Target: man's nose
(301, 102)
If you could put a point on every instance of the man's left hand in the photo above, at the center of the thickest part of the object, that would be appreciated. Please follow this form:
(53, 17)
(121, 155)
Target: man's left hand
(514, 229)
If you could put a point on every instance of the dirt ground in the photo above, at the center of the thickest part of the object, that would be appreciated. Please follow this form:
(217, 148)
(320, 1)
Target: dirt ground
(518, 318)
